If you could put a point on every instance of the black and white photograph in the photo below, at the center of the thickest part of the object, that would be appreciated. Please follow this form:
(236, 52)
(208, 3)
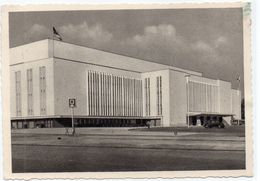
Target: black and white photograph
(129, 90)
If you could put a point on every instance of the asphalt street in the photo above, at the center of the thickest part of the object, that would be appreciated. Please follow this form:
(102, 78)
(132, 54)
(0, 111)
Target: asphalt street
(86, 159)
(123, 150)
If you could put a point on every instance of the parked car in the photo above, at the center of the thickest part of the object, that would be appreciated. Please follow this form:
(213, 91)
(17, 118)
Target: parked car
(214, 123)
(238, 122)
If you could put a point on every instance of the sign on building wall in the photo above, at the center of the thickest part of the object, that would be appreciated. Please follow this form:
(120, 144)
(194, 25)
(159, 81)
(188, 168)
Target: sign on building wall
(72, 103)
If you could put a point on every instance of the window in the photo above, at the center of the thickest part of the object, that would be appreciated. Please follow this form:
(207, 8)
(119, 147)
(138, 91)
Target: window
(203, 97)
(30, 91)
(90, 92)
(18, 93)
(147, 97)
(159, 94)
(113, 95)
(42, 72)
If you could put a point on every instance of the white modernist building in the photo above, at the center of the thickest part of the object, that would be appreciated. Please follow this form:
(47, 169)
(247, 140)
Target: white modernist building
(110, 89)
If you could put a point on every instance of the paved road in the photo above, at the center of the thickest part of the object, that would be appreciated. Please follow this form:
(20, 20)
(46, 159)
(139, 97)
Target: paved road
(193, 142)
(117, 152)
(35, 158)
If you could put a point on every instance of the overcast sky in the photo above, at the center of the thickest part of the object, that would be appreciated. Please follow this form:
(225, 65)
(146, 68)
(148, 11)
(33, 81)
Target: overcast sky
(204, 40)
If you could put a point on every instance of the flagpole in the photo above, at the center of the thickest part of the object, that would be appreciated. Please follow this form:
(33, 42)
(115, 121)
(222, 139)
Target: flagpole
(52, 43)
(239, 83)
(239, 79)
(57, 35)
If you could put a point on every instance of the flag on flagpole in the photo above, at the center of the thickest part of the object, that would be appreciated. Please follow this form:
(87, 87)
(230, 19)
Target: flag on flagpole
(56, 34)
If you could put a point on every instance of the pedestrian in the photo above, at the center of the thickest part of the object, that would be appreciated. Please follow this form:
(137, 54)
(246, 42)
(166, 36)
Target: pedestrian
(175, 132)
(148, 124)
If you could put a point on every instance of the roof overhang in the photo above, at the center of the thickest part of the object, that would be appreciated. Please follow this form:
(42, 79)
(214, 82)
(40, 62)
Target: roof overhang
(87, 117)
(210, 114)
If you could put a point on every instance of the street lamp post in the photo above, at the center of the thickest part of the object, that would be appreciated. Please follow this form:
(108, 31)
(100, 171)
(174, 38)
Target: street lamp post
(72, 105)
(72, 121)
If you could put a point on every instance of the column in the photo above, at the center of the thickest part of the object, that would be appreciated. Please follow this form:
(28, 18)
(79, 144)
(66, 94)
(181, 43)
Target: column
(99, 94)
(87, 92)
(123, 97)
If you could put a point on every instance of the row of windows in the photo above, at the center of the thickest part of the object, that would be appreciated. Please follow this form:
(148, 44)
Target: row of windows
(147, 96)
(30, 103)
(110, 95)
(42, 72)
(203, 97)
(30, 91)
(159, 94)
(18, 93)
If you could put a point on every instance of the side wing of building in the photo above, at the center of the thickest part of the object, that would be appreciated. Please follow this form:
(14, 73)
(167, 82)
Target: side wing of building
(32, 84)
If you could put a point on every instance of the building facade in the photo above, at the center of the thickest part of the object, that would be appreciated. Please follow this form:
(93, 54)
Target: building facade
(110, 90)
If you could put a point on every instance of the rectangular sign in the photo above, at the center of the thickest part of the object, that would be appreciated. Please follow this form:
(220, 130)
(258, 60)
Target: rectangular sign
(72, 103)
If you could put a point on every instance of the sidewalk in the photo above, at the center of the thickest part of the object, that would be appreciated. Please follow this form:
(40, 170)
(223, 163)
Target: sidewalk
(96, 131)
(122, 138)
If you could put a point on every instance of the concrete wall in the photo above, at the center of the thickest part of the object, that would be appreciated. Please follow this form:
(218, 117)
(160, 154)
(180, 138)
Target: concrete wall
(48, 63)
(153, 95)
(178, 98)
(225, 97)
(113, 71)
(90, 55)
(203, 80)
(236, 103)
(203, 95)
(70, 82)
(30, 52)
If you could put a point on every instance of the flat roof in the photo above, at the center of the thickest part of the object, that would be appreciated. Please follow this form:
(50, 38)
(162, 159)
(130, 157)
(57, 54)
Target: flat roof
(84, 54)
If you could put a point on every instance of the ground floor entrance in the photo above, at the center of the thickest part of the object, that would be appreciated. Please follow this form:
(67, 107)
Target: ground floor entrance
(85, 122)
(206, 119)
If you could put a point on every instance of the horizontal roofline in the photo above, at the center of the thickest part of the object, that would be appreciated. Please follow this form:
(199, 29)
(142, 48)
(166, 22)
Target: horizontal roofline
(30, 43)
(181, 69)
(171, 69)
(124, 55)
(170, 66)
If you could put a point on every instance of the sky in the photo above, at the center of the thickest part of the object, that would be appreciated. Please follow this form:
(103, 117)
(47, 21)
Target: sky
(204, 40)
